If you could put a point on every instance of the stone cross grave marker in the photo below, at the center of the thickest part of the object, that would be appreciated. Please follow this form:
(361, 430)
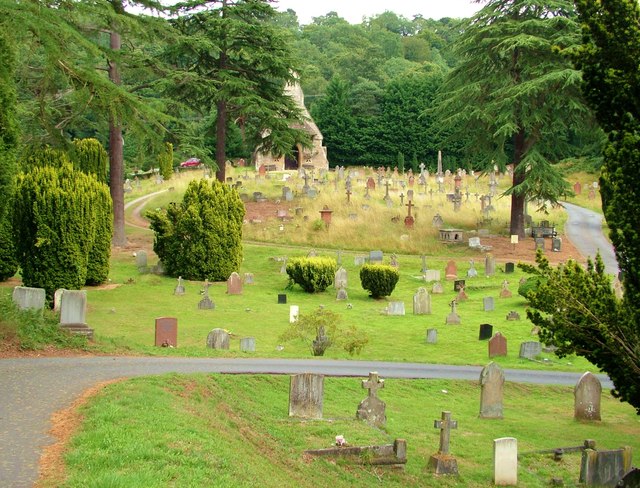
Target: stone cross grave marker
(432, 336)
(505, 292)
(218, 339)
(587, 394)
(372, 409)
(28, 298)
(461, 296)
(179, 290)
(491, 391)
(206, 303)
(604, 468)
(505, 461)
(409, 220)
(234, 284)
(306, 392)
(472, 272)
(421, 302)
(497, 345)
(442, 462)
(453, 318)
(166, 332)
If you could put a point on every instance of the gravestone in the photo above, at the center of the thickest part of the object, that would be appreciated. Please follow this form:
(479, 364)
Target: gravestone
(179, 289)
(27, 298)
(421, 302)
(395, 308)
(359, 260)
(206, 303)
(492, 385)
(375, 257)
(166, 332)
(489, 265)
(474, 242)
(57, 298)
(509, 267)
(372, 409)
(505, 292)
(73, 307)
(556, 244)
(141, 261)
(485, 332)
(539, 243)
(306, 395)
(248, 344)
(497, 345)
(218, 339)
(432, 336)
(283, 268)
(587, 394)
(342, 294)
(453, 318)
(432, 275)
(451, 271)
(340, 280)
(437, 289)
(294, 312)
(461, 296)
(505, 461)
(604, 468)
(249, 279)
(472, 272)
(530, 350)
(234, 284)
(443, 462)
(513, 315)
(282, 298)
(458, 284)
(488, 304)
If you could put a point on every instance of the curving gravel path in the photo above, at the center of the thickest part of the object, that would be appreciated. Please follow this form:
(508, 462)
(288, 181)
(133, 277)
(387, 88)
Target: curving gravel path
(34, 388)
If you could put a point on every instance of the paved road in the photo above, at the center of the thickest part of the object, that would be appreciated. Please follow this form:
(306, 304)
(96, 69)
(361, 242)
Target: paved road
(32, 389)
(584, 228)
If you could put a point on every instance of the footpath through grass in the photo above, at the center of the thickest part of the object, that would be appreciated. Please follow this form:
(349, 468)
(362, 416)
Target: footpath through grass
(234, 431)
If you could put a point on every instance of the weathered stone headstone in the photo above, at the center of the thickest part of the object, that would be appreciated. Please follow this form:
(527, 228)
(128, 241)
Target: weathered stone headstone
(437, 289)
(179, 289)
(340, 280)
(453, 318)
(57, 298)
(488, 304)
(472, 272)
(166, 332)
(248, 344)
(530, 350)
(27, 298)
(422, 302)
(359, 260)
(509, 267)
(587, 394)
(513, 315)
(474, 242)
(485, 332)
(141, 261)
(249, 279)
(206, 303)
(443, 462)
(372, 409)
(489, 265)
(505, 461)
(461, 296)
(451, 271)
(505, 292)
(604, 468)
(432, 275)
(218, 339)
(375, 257)
(556, 244)
(497, 345)
(294, 312)
(395, 308)
(432, 336)
(234, 284)
(492, 385)
(306, 395)
(342, 294)
(282, 298)
(73, 307)
(539, 243)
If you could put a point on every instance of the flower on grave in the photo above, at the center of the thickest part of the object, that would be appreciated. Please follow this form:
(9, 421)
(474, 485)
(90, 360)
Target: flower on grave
(340, 440)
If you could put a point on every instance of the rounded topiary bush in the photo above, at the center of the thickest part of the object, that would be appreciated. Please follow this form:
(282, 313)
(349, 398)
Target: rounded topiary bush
(379, 279)
(312, 274)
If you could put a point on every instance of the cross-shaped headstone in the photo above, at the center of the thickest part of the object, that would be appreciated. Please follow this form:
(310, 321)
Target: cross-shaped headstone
(306, 180)
(373, 384)
(445, 425)
(410, 204)
(401, 198)
(348, 195)
(386, 195)
(422, 166)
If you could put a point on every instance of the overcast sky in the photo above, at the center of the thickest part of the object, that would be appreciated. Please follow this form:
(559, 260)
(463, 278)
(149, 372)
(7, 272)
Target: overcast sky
(354, 10)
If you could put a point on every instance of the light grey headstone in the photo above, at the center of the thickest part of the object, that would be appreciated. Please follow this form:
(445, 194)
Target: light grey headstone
(587, 394)
(27, 298)
(248, 279)
(376, 256)
(491, 396)
(488, 304)
(340, 280)
(604, 468)
(57, 298)
(359, 260)
(141, 261)
(294, 312)
(218, 339)
(556, 244)
(372, 409)
(73, 307)
(472, 272)
(432, 336)
(306, 392)
(248, 344)
(437, 289)
(179, 290)
(422, 302)
(396, 308)
(474, 242)
(342, 294)
(489, 265)
(530, 349)
(540, 243)
(505, 461)
(432, 275)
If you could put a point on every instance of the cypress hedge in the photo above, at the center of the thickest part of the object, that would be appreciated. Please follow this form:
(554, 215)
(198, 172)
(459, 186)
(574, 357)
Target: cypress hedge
(91, 158)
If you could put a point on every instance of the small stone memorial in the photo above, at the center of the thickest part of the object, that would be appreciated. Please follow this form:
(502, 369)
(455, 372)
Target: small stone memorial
(472, 272)
(395, 308)
(218, 339)
(179, 289)
(141, 261)
(432, 336)
(458, 284)
(342, 294)
(206, 303)
(530, 350)
(486, 331)
(587, 394)
(505, 292)
(372, 409)
(451, 271)
(248, 344)
(359, 260)
(234, 284)
(604, 468)
(73, 307)
(461, 296)
(453, 318)
(57, 298)
(282, 298)
(249, 279)
(488, 304)
(27, 298)
(497, 345)
(492, 385)
(376, 257)
(513, 315)
(340, 280)
(294, 313)
(505, 461)
(166, 332)
(539, 243)
(474, 242)
(509, 267)
(443, 462)
(437, 289)
(489, 265)
(306, 392)
(432, 275)
(556, 244)
(422, 302)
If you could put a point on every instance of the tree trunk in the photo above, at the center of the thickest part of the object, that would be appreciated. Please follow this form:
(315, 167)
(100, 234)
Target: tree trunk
(518, 200)
(116, 160)
(221, 139)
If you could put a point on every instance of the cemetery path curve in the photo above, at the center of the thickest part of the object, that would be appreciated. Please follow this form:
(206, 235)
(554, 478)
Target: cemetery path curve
(584, 229)
(34, 388)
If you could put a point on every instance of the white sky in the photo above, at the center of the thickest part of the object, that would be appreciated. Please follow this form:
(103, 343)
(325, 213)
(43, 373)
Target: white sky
(354, 10)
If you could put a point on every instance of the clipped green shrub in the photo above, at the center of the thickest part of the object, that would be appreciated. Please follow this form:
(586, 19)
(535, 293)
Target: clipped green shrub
(57, 214)
(201, 237)
(530, 285)
(8, 261)
(165, 161)
(100, 252)
(38, 157)
(379, 279)
(312, 274)
(91, 158)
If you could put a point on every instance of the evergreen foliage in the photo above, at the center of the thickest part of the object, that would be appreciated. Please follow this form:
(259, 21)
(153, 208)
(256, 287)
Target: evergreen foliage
(90, 157)
(165, 161)
(313, 274)
(201, 237)
(379, 279)
(38, 157)
(8, 261)
(58, 212)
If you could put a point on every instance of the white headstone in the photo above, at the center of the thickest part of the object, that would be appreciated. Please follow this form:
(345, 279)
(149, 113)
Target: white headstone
(505, 461)
(294, 311)
(27, 298)
(73, 307)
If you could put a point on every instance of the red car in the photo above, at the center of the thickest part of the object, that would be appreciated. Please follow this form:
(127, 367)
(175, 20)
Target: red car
(190, 163)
